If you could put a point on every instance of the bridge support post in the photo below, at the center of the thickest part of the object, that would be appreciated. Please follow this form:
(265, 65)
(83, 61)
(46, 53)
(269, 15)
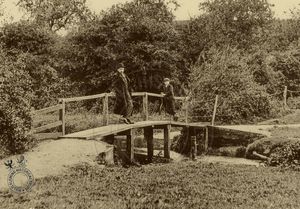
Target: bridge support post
(148, 135)
(167, 141)
(193, 143)
(130, 145)
(215, 111)
(62, 113)
(206, 140)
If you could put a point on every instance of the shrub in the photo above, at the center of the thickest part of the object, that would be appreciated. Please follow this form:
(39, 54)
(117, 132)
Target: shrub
(15, 97)
(226, 73)
(286, 154)
(281, 150)
(33, 46)
(288, 64)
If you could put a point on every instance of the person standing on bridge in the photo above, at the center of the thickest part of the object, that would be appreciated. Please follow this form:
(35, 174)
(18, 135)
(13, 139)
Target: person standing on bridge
(169, 98)
(122, 88)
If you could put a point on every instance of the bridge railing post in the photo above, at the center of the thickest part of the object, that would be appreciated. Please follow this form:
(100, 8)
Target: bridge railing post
(285, 97)
(105, 109)
(62, 113)
(187, 111)
(145, 106)
(215, 111)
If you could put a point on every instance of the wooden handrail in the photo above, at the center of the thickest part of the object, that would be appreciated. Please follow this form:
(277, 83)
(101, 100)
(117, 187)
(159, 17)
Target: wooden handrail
(134, 94)
(47, 110)
(46, 127)
(62, 102)
(76, 99)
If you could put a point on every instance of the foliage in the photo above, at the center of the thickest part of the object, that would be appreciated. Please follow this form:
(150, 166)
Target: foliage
(282, 148)
(282, 35)
(281, 151)
(237, 23)
(27, 37)
(288, 64)
(56, 14)
(34, 45)
(261, 65)
(139, 33)
(15, 106)
(226, 73)
(286, 154)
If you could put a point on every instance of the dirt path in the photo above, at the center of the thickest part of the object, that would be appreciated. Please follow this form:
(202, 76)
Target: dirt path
(54, 157)
(260, 129)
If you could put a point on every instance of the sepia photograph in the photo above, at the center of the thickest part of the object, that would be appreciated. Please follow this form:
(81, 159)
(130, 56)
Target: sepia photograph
(149, 104)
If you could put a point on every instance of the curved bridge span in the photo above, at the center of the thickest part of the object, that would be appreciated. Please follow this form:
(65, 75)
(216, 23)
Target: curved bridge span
(148, 129)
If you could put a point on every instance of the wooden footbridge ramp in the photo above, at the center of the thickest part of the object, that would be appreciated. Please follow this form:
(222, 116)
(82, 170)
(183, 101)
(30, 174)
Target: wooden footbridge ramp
(148, 130)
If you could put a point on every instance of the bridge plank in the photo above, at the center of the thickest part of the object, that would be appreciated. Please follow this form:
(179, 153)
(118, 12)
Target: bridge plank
(117, 128)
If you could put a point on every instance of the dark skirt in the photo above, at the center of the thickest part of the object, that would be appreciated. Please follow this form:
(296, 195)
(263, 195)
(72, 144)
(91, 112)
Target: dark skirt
(123, 106)
(169, 104)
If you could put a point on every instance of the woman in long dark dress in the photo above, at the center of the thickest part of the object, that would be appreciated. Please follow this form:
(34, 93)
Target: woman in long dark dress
(122, 87)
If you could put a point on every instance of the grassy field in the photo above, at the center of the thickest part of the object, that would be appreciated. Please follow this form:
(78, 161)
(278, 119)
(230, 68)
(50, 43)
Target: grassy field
(184, 185)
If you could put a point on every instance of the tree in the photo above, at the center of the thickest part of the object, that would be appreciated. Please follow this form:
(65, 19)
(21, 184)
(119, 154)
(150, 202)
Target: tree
(34, 45)
(140, 34)
(236, 22)
(225, 72)
(56, 14)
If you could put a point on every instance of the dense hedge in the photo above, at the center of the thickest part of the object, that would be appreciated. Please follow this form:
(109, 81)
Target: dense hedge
(15, 106)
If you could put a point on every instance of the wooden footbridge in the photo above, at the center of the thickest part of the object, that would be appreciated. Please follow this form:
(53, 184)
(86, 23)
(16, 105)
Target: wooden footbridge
(148, 129)
(110, 130)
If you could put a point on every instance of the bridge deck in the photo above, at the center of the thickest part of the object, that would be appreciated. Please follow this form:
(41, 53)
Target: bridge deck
(118, 128)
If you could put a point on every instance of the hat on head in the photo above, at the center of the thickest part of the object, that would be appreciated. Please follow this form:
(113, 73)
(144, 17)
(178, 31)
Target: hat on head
(120, 65)
(166, 79)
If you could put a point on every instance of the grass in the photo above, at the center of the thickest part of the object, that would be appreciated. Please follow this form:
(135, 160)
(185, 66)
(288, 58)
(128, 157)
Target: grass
(292, 118)
(184, 185)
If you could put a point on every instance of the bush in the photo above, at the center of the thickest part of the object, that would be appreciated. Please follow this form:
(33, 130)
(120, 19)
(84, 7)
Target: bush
(282, 149)
(33, 46)
(286, 154)
(288, 63)
(15, 97)
(226, 73)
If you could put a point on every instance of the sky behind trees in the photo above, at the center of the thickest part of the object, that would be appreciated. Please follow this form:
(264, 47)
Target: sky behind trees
(189, 8)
